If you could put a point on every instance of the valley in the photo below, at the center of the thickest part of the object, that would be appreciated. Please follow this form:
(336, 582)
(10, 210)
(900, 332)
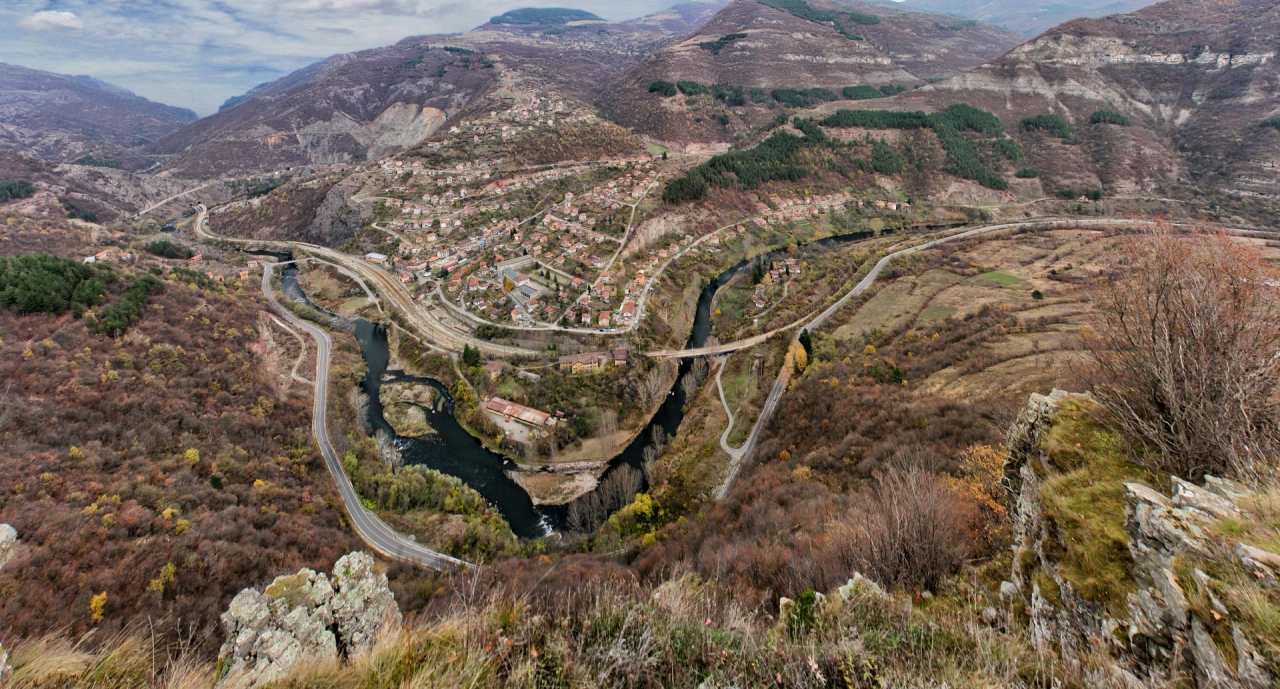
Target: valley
(725, 346)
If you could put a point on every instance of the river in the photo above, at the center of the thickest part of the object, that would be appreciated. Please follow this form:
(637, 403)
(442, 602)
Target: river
(452, 450)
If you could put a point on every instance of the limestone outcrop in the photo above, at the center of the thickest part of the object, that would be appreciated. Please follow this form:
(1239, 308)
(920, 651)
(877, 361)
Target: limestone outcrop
(1172, 621)
(305, 617)
(8, 543)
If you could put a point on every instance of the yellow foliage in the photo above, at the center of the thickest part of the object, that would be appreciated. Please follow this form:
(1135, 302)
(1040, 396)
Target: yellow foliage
(981, 468)
(181, 526)
(108, 521)
(169, 513)
(191, 457)
(801, 474)
(75, 453)
(98, 605)
(869, 350)
(28, 355)
(784, 455)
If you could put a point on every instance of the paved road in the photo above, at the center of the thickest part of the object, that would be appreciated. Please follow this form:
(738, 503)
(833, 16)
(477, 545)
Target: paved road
(392, 290)
(157, 204)
(784, 376)
(373, 530)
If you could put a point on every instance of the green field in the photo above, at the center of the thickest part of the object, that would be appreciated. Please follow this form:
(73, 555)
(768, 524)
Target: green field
(1001, 277)
(655, 149)
(937, 313)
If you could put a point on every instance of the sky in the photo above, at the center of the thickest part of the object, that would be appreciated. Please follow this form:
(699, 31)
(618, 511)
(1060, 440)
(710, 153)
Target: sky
(197, 53)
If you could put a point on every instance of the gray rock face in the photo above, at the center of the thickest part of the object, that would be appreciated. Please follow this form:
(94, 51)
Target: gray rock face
(340, 216)
(8, 543)
(305, 617)
(1164, 637)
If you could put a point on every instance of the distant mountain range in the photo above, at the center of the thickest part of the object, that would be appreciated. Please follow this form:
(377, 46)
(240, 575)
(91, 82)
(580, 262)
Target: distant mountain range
(1027, 17)
(62, 118)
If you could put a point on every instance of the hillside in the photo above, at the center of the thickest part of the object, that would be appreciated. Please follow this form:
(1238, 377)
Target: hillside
(60, 119)
(1194, 84)
(366, 105)
(790, 45)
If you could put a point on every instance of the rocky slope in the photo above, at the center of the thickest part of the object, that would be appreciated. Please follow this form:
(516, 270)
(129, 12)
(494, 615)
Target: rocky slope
(1195, 83)
(771, 48)
(58, 118)
(366, 105)
(305, 617)
(1180, 590)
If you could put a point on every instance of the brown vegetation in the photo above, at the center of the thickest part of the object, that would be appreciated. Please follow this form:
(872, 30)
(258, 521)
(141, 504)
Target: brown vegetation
(1185, 352)
(168, 450)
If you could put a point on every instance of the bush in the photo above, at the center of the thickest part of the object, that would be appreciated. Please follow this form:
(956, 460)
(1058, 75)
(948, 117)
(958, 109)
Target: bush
(76, 212)
(716, 45)
(1052, 124)
(114, 320)
(892, 89)
(1027, 173)
(1185, 353)
(167, 249)
(96, 162)
(665, 89)
(884, 160)
(1067, 193)
(16, 189)
(1008, 148)
(691, 88)
(1272, 122)
(758, 95)
(863, 92)
(1109, 117)
(1093, 194)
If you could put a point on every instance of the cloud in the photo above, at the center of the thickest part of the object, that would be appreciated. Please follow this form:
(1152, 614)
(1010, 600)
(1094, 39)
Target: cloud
(52, 20)
(198, 53)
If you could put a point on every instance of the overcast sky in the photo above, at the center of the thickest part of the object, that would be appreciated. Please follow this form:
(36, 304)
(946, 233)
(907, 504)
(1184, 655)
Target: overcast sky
(197, 53)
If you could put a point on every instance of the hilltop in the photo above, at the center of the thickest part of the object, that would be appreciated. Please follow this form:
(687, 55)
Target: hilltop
(755, 48)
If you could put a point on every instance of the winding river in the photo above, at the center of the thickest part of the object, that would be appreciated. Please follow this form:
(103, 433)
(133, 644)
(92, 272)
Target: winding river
(452, 450)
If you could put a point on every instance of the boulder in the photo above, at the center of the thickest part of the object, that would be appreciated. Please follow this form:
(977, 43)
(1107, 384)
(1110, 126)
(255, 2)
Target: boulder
(305, 617)
(8, 543)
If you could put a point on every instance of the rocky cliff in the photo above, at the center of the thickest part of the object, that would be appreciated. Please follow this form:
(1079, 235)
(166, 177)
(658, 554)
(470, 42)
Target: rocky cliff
(1184, 596)
(305, 617)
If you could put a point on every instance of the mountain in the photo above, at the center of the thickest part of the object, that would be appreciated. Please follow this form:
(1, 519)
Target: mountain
(1177, 99)
(1028, 17)
(365, 105)
(796, 45)
(59, 118)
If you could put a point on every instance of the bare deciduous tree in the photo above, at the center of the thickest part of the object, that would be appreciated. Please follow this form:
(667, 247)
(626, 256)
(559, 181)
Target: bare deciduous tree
(617, 490)
(916, 534)
(1184, 350)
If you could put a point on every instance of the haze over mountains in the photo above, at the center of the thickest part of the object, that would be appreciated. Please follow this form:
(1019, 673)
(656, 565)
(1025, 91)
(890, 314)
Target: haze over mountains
(1027, 17)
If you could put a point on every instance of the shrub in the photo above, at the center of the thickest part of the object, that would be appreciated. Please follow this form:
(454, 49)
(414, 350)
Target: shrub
(863, 92)
(96, 162)
(1067, 193)
(1109, 117)
(1052, 124)
(114, 320)
(892, 89)
(1185, 352)
(16, 189)
(1272, 122)
(691, 88)
(1027, 173)
(758, 95)
(665, 89)
(1037, 294)
(718, 44)
(74, 211)
(167, 249)
(1008, 148)
(1093, 194)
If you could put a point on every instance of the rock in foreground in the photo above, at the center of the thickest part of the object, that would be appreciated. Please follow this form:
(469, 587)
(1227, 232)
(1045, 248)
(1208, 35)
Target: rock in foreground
(305, 617)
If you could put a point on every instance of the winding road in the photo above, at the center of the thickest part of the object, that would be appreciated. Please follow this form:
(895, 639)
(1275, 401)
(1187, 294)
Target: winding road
(373, 530)
(744, 454)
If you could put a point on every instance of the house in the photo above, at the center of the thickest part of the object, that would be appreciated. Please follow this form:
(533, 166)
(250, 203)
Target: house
(529, 376)
(628, 311)
(519, 412)
(494, 368)
(619, 357)
(195, 259)
(604, 319)
(586, 361)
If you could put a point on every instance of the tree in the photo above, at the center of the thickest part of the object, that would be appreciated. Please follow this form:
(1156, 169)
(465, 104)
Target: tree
(1184, 350)
(98, 606)
(806, 341)
(470, 355)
